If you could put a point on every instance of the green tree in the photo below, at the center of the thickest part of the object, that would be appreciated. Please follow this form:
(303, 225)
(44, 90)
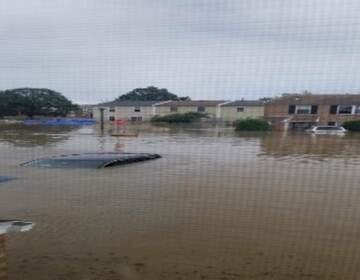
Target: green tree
(34, 101)
(150, 93)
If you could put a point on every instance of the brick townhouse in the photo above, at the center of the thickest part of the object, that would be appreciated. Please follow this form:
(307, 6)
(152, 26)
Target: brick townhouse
(301, 111)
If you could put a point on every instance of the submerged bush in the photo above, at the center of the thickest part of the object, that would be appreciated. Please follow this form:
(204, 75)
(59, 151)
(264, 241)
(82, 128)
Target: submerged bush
(251, 125)
(352, 125)
(180, 118)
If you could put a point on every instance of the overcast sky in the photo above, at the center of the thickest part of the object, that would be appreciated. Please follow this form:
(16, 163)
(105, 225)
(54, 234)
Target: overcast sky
(94, 50)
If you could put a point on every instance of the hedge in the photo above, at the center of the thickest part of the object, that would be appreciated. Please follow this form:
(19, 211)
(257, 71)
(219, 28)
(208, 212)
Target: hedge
(250, 124)
(179, 118)
(352, 125)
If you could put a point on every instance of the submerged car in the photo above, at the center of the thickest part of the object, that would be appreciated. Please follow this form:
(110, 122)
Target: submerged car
(91, 160)
(327, 129)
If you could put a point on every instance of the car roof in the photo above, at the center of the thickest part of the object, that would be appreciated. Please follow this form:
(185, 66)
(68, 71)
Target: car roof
(90, 160)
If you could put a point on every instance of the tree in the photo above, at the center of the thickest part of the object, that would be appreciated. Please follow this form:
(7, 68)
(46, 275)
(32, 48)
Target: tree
(34, 101)
(150, 93)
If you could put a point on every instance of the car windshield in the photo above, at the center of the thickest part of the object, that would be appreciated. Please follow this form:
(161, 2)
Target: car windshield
(328, 128)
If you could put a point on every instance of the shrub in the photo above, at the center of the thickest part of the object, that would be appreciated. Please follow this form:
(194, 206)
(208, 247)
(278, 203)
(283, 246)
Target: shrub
(180, 118)
(251, 125)
(352, 125)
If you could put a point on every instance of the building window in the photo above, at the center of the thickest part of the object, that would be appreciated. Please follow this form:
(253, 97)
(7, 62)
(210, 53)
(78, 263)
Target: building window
(240, 109)
(111, 118)
(333, 109)
(344, 109)
(112, 110)
(303, 109)
(357, 109)
(173, 108)
(314, 109)
(292, 109)
(136, 119)
(332, 123)
(137, 109)
(201, 109)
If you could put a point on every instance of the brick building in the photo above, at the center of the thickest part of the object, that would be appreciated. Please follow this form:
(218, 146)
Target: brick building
(301, 111)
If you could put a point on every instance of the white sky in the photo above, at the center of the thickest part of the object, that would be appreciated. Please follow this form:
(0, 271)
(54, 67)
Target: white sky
(94, 50)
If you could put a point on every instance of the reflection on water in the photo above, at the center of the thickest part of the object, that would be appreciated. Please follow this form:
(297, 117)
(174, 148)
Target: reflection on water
(296, 145)
(30, 136)
(271, 144)
(317, 147)
(218, 205)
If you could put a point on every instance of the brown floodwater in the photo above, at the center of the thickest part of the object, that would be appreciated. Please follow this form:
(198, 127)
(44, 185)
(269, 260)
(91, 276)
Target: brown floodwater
(217, 205)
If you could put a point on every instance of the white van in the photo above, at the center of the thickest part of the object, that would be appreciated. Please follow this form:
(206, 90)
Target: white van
(327, 129)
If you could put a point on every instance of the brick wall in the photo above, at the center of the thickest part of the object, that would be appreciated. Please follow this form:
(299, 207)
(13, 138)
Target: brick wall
(326, 117)
(282, 110)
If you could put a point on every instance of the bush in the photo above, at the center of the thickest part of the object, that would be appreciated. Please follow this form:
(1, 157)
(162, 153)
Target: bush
(179, 118)
(251, 125)
(352, 125)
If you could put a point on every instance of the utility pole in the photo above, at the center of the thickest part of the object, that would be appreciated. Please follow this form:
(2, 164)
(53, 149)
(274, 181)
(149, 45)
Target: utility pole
(102, 118)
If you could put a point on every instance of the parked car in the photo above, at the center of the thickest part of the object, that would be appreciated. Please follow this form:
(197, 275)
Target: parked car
(327, 129)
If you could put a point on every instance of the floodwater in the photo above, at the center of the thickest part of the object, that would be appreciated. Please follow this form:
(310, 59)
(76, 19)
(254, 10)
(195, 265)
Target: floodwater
(218, 205)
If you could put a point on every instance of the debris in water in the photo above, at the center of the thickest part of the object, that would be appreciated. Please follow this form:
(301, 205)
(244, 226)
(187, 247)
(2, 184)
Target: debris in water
(91, 160)
(15, 226)
(61, 122)
(7, 226)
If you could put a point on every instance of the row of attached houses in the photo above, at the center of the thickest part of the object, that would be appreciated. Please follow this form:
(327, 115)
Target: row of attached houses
(291, 111)
(145, 110)
(301, 111)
